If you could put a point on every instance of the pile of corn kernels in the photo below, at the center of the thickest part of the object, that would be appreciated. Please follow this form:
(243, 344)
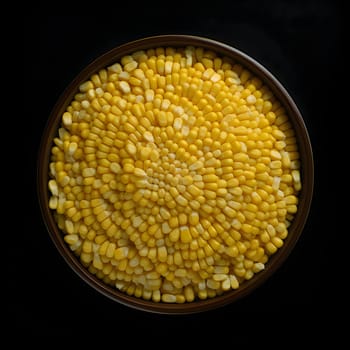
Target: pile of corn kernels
(174, 175)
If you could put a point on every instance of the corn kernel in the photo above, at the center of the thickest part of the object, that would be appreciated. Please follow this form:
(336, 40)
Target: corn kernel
(168, 298)
(181, 200)
(185, 234)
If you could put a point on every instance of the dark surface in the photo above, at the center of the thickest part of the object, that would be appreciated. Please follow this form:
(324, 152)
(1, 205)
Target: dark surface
(299, 42)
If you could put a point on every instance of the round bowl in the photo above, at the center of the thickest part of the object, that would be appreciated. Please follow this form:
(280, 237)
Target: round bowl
(306, 168)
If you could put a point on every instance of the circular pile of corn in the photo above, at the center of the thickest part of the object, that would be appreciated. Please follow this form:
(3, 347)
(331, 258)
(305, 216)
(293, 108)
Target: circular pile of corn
(174, 174)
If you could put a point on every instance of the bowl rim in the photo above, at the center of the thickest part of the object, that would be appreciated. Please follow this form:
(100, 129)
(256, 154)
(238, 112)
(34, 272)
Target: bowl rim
(305, 151)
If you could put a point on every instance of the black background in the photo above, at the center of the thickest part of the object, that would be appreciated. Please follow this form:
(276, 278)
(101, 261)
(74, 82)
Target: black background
(298, 41)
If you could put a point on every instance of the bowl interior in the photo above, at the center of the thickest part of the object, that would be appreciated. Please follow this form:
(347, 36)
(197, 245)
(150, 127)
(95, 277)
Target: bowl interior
(305, 151)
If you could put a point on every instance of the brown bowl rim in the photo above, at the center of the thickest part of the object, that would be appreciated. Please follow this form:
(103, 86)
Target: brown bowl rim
(305, 150)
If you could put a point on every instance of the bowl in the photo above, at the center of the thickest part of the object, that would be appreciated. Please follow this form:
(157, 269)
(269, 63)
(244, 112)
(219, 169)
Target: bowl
(304, 196)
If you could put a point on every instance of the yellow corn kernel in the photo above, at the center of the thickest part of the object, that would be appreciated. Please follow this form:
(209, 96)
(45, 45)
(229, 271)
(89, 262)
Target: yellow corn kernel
(86, 86)
(230, 212)
(194, 218)
(174, 235)
(124, 87)
(292, 209)
(162, 254)
(291, 199)
(148, 136)
(173, 222)
(71, 239)
(53, 187)
(210, 178)
(189, 293)
(185, 234)
(168, 298)
(270, 248)
(121, 253)
(53, 202)
(194, 190)
(181, 200)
